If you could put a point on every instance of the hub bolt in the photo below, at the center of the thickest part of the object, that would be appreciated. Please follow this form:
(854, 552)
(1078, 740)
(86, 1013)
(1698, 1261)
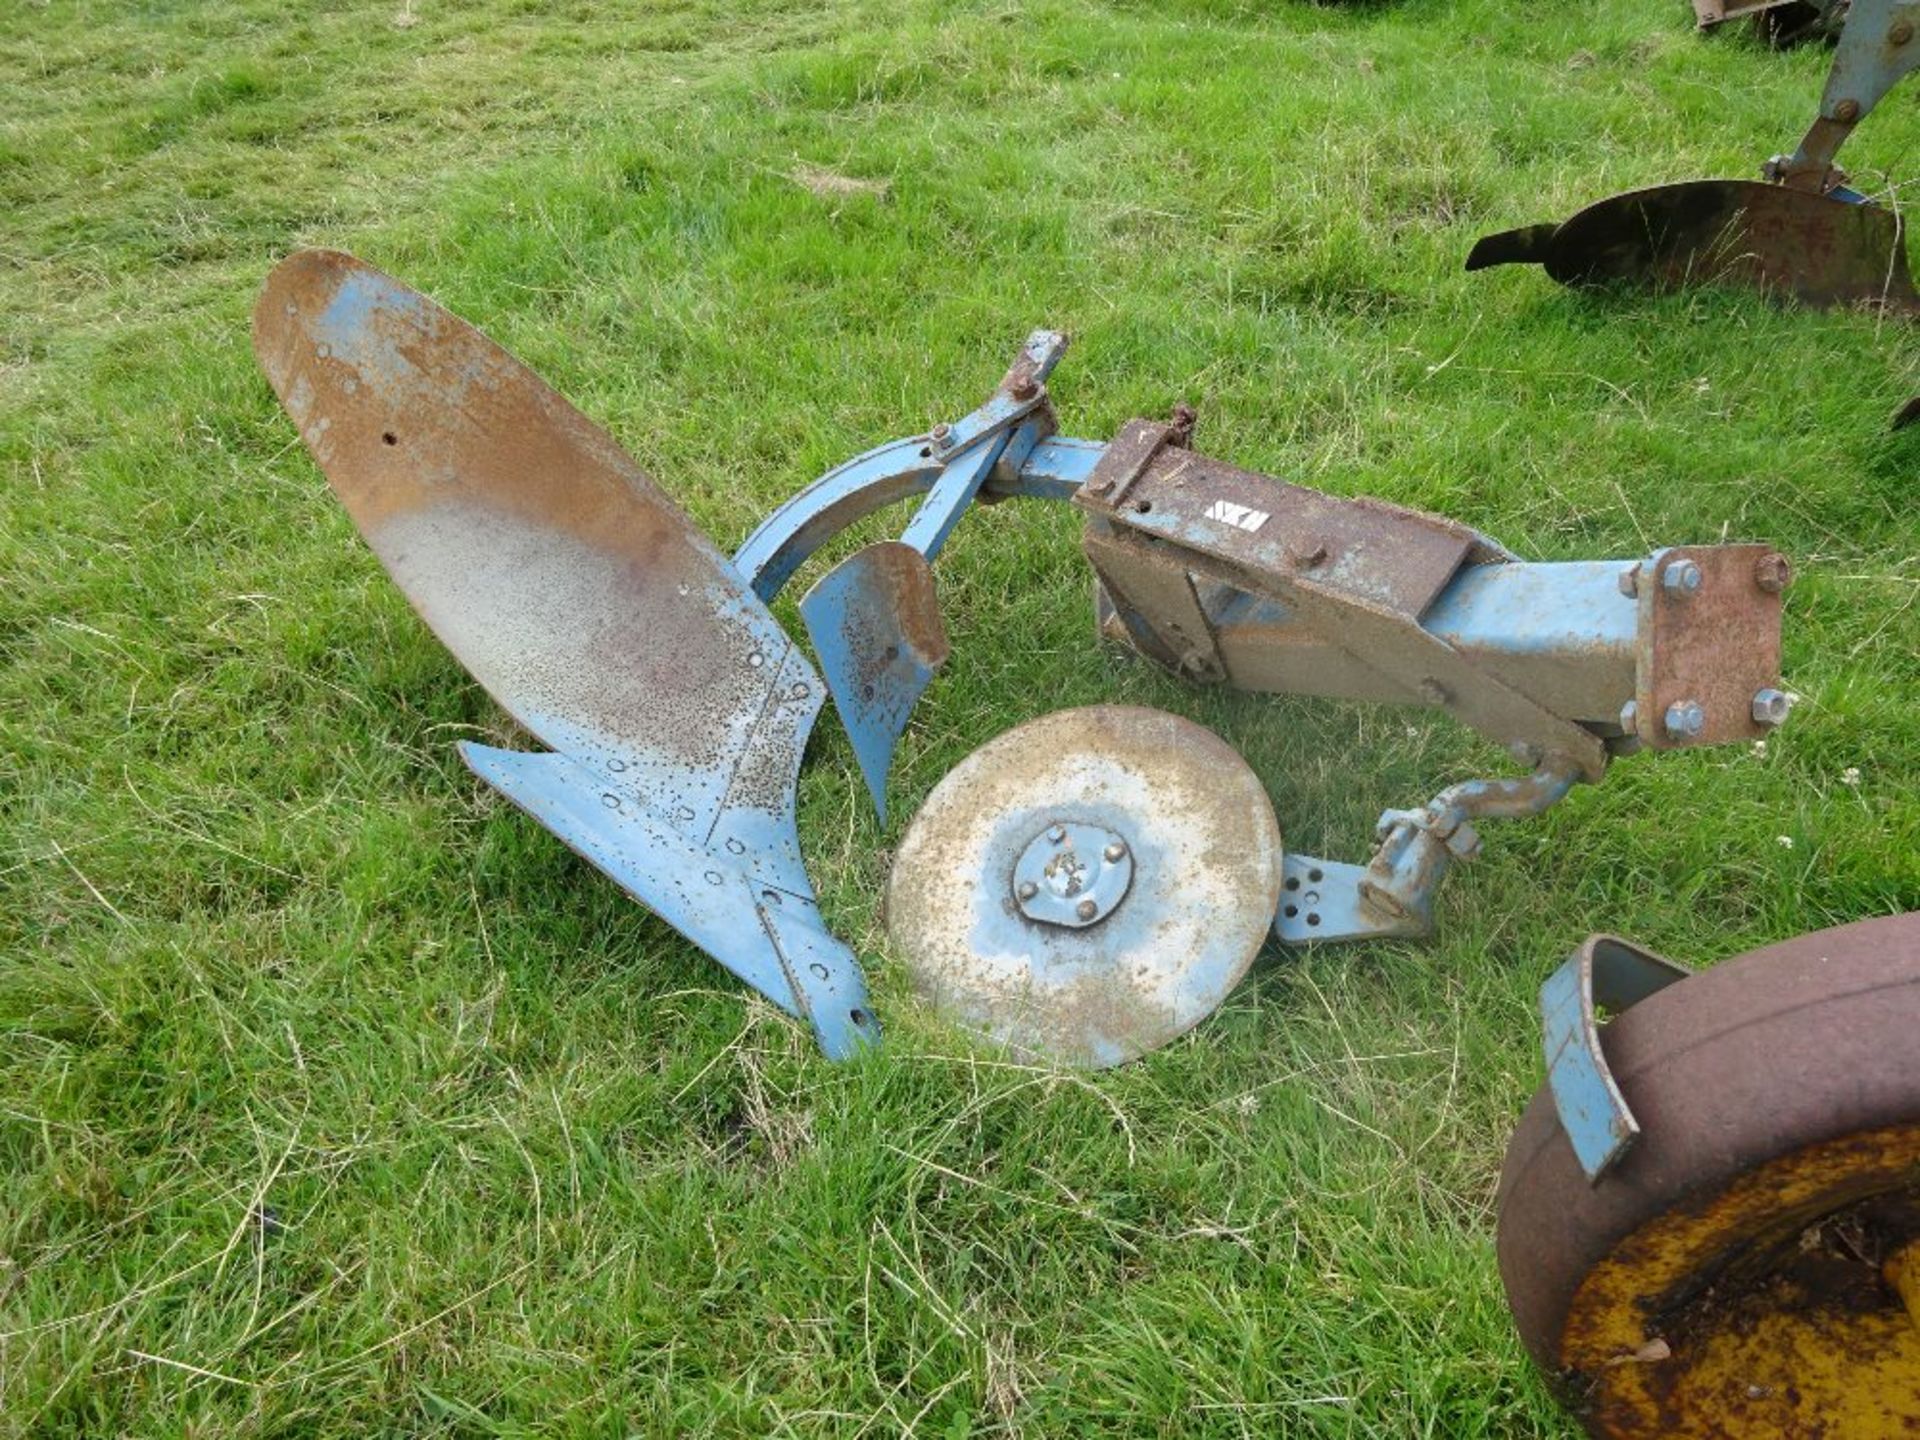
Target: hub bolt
(1028, 890)
(1086, 909)
(1115, 851)
(1770, 707)
(1057, 834)
(1685, 719)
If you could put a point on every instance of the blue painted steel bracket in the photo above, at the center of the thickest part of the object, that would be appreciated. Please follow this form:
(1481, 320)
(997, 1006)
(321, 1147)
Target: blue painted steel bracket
(771, 937)
(1052, 467)
(875, 618)
(1879, 47)
(1605, 972)
(1321, 901)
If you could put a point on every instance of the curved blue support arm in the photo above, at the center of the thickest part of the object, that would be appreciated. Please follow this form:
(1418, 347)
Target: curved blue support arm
(1049, 468)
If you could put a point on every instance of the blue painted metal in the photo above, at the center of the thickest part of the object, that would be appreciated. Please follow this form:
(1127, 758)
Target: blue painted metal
(1053, 468)
(1320, 902)
(588, 604)
(1605, 973)
(769, 934)
(874, 620)
(1072, 874)
(1418, 847)
(952, 493)
(1879, 47)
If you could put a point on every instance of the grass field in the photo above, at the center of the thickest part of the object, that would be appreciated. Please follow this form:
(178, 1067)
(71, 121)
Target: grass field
(336, 1098)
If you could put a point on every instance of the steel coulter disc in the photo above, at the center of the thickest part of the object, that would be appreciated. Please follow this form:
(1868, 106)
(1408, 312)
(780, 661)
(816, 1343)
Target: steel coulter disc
(1089, 885)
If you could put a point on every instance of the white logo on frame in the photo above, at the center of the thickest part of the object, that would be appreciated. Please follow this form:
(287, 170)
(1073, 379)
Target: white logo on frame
(1242, 517)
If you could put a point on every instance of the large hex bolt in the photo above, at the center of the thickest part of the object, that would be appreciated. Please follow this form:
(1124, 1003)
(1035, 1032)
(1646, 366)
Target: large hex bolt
(1685, 720)
(1771, 572)
(1683, 577)
(1770, 707)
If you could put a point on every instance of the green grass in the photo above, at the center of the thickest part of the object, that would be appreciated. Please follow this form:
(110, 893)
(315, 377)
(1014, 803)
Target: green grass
(337, 1098)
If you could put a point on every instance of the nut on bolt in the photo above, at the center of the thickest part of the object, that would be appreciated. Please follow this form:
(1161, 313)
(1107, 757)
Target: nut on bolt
(941, 434)
(1770, 707)
(1685, 720)
(1771, 573)
(1683, 577)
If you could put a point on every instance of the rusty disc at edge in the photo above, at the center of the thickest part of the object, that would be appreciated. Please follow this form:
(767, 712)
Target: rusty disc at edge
(1205, 850)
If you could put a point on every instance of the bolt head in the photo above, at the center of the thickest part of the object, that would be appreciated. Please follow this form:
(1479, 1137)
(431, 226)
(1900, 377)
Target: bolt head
(1025, 388)
(1057, 834)
(1086, 909)
(1630, 717)
(1683, 577)
(1115, 851)
(1770, 707)
(1772, 572)
(1630, 581)
(1901, 33)
(1027, 890)
(1685, 719)
(941, 433)
(1306, 553)
(1847, 111)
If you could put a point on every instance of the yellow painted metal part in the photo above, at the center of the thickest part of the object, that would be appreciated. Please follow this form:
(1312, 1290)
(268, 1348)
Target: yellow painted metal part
(1903, 1273)
(1761, 1310)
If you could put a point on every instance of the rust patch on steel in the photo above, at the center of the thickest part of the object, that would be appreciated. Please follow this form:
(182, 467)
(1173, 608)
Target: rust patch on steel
(1389, 556)
(895, 617)
(1356, 575)
(1206, 880)
(1776, 1091)
(1715, 646)
(1817, 249)
(1771, 1303)
(558, 573)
